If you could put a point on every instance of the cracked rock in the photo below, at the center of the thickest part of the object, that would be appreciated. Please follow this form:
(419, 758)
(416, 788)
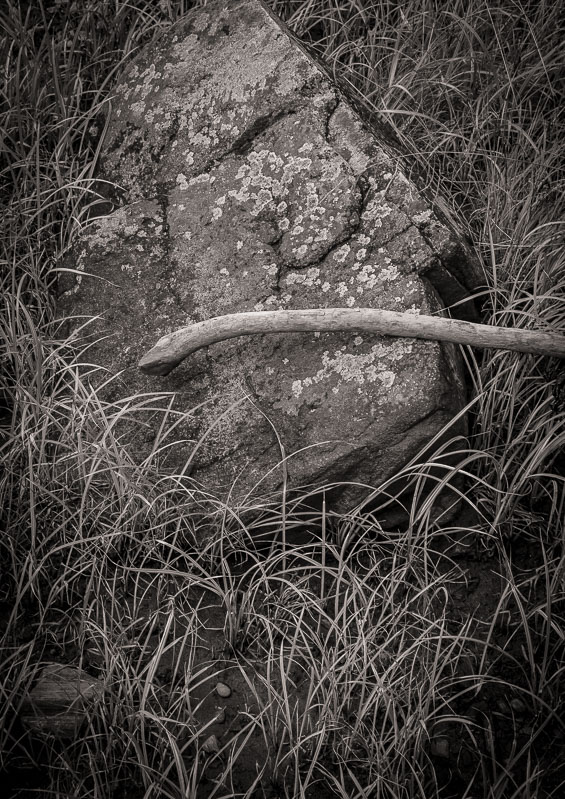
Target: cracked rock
(248, 182)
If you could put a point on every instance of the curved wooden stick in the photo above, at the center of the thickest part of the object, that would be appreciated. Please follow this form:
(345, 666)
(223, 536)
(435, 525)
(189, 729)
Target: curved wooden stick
(173, 348)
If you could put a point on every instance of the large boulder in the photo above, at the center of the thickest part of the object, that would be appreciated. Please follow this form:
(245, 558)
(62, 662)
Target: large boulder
(248, 181)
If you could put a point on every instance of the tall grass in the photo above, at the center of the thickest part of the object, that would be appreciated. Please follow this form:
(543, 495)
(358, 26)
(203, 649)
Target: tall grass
(360, 668)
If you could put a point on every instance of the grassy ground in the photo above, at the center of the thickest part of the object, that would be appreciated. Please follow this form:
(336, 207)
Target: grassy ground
(362, 664)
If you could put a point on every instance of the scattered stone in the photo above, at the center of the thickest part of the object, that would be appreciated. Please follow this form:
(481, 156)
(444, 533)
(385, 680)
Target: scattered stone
(518, 706)
(502, 705)
(211, 745)
(59, 702)
(223, 690)
(220, 715)
(439, 747)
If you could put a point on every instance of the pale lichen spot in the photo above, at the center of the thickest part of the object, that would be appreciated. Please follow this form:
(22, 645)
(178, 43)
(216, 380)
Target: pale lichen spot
(389, 273)
(367, 277)
(387, 378)
(297, 388)
(182, 181)
(422, 218)
(239, 245)
(137, 109)
(263, 199)
(204, 177)
(308, 278)
(342, 253)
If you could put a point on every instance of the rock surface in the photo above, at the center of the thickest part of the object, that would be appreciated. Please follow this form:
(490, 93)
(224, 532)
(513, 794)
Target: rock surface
(58, 704)
(248, 181)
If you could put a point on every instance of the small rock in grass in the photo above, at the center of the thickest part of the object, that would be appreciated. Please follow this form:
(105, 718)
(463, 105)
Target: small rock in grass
(220, 716)
(211, 745)
(61, 701)
(502, 705)
(440, 747)
(223, 690)
(518, 706)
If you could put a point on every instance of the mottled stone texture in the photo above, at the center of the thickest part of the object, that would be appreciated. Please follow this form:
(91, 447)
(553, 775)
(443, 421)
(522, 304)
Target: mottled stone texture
(249, 182)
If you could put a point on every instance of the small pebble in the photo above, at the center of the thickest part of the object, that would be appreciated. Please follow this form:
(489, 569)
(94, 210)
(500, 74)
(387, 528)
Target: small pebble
(518, 706)
(211, 745)
(440, 748)
(223, 690)
(220, 716)
(502, 705)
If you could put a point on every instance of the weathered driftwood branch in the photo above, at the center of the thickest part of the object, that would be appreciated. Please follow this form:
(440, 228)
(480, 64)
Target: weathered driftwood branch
(173, 348)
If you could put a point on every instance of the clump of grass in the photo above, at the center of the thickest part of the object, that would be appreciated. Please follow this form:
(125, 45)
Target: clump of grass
(356, 678)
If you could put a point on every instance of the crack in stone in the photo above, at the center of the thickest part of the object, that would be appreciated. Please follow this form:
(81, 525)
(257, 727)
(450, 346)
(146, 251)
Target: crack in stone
(245, 142)
(332, 107)
(168, 273)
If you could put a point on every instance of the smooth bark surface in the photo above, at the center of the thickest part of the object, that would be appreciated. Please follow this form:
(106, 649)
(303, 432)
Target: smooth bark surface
(175, 347)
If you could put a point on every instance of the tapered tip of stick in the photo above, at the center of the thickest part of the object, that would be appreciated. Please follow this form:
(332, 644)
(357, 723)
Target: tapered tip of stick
(152, 365)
